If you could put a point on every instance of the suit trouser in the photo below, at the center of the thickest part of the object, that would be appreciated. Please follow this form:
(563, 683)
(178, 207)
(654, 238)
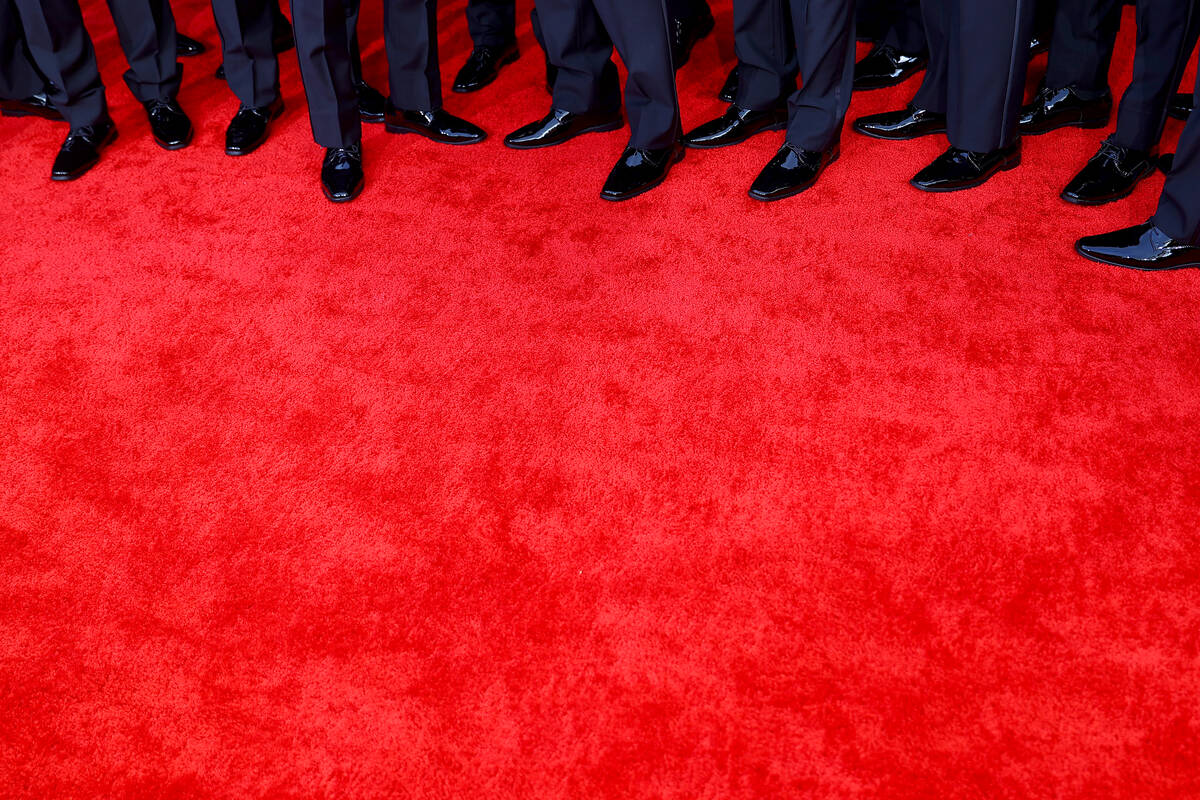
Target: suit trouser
(19, 76)
(775, 40)
(247, 29)
(63, 51)
(492, 23)
(1179, 206)
(579, 38)
(978, 57)
(896, 23)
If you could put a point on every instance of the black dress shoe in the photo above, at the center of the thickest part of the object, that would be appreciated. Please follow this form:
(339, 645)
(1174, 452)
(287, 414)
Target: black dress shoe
(440, 126)
(37, 106)
(1182, 105)
(791, 171)
(187, 46)
(729, 89)
(1038, 43)
(483, 66)
(1052, 109)
(220, 73)
(171, 127)
(736, 125)
(1110, 175)
(81, 150)
(342, 173)
(1145, 247)
(963, 169)
(372, 105)
(558, 126)
(639, 171)
(886, 66)
(1166, 162)
(687, 31)
(248, 129)
(907, 123)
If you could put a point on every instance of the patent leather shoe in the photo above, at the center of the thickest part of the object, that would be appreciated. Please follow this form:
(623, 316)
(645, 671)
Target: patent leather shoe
(1145, 247)
(1182, 105)
(638, 171)
(958, 169)
(729, 89)
(791, 171)
(81, 150)
(372, 105)
(687, 31)
(907, 123)
(736, 125)
(342, 173)
(171, 127)
(559, 126)
(1110, 175)
(483, 66)
(886, 66)
(249, 128)
(1052, 109)
(186, 46)
(440, 126)
(38, 105)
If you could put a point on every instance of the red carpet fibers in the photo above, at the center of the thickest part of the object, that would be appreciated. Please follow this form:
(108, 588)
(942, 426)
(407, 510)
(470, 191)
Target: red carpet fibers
(483, 488)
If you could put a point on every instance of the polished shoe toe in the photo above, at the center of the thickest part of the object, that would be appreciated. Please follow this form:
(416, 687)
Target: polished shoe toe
(958, 169)
(1110, 175)
(886, 66)
(342, 173)
(638, 171)
(372, 105)
(791, 171)
(171, 127)
(440, 126)
(186, 46)
(483, 66)
(1052, 109)
(560, 126)
(1143, 247)
(249, 128)
(736, 125)
(909, 122)
(81, 150)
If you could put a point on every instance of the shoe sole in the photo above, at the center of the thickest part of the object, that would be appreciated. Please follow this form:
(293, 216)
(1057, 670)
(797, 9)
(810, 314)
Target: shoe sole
(799, 189)
(1079, 201)
(674, 160)
(1112, 263)
(1005, 166)
(340, 200)
(430, 137)
(775, 126)
(504, 62)
(261, 142)
(112, 137)
(605, 127)
(1091, 124)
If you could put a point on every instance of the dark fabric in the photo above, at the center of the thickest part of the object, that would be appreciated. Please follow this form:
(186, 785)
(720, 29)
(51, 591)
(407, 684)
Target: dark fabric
(19, 76)
(893, 22)
(1081, 46)
(579, 38)
(63, 51)
(978, 57)
(492, 23)
(765, 45)
(1179, 206)
(146, 29)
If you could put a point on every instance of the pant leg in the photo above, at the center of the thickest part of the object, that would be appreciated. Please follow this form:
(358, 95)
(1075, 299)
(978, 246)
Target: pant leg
(352, 9)
(1166, 33)
(1082, 44)
(933, 94)
(146, 29)
(247, 30)
(766, 52)
(63, 51)
(639, 30)
(578, 45)
(410, 33)
(324, 54)
(1179, 206)
(824, 32)
(492, 23)
(906, 30)
(989, 57)
(19, 76)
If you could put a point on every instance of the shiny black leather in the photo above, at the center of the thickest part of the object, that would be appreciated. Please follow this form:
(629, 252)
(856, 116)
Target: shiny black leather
(81, 150)
(638, 171)
(907, 123)
(342, 173)
(186, 46)
(736, 125)
(1144, 247)
(791, 171)
(558, 126)
(1181, 105)
(1166, 162)
(958, 169)
(687, 31)
(886, 66)
(440, 126)
(171, 127)
(249, 128)
(37, 106)
(372, 105)
(1052, 109)
(729, 89)
(1109, 175)
(483, 66)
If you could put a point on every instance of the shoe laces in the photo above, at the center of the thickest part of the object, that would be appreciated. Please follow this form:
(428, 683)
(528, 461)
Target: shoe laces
(482, 54)
(80, 137)
(1114, 154)
(160, 108)
(971, 157)
(807, 158)
(342, 157)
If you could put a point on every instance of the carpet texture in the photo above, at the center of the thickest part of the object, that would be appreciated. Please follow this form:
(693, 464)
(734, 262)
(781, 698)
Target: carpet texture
(480, 487)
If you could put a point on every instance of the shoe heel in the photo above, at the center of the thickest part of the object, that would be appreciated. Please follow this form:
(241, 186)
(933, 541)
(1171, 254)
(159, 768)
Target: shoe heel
(1011, 163)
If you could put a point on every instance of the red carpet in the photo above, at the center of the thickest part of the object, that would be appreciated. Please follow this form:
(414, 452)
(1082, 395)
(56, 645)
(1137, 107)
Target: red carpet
(484, 488)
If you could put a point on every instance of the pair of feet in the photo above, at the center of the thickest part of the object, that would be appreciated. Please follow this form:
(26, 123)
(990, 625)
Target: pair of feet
(170, 126)
(251, 125)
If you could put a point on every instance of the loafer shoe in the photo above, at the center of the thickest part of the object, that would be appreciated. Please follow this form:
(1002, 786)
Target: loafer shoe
(440, 126)
(559, 126)
(1144, 247)
(958, 169)
(736, 125)
(907, 123)
(1052, 109)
